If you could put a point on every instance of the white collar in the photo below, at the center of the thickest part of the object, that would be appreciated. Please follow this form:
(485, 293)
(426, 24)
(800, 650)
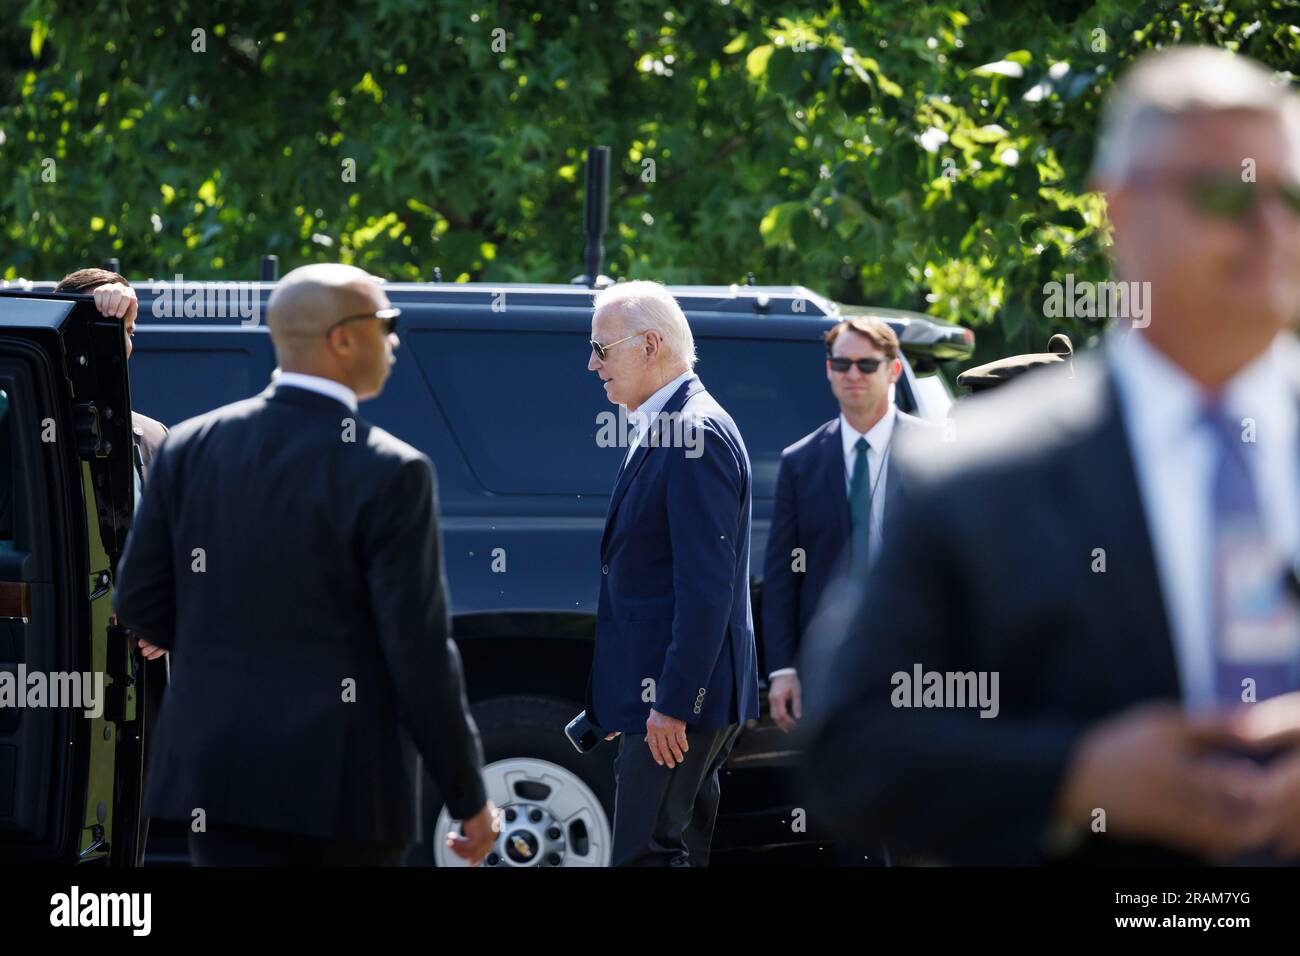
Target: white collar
(877, 435)
(1163, 401)
(655, 403)
(321, 386)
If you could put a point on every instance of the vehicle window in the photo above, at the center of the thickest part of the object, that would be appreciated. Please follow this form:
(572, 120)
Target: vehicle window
(774, 389)
(184, 382)
(527, 416)
(933, 397)
(523, 408)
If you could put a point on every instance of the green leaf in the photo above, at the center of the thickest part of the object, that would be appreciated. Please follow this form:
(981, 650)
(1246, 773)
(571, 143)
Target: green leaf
(40, 30)
(776, 225)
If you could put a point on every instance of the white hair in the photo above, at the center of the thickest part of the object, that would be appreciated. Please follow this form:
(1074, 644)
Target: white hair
(1166, 85)
(647, 306)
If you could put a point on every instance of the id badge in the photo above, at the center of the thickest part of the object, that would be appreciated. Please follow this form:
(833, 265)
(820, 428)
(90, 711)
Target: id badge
(1261, 617)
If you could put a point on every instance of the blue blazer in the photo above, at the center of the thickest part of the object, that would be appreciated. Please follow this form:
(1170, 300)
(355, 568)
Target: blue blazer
(811, 511)
(674, 630)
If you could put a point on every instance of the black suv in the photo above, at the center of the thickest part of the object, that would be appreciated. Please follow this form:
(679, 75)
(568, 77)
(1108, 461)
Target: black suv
(491, 383)
(69, 781)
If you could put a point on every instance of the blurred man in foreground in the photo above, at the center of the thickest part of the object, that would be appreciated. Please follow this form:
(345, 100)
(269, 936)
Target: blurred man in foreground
(1086, 596)
(287, 554)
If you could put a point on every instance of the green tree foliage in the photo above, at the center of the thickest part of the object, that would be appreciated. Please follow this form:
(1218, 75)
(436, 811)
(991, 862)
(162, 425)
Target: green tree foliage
(922, 155)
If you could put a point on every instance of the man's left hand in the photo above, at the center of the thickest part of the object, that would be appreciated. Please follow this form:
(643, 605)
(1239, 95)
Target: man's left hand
(666, 738)
(151, 652)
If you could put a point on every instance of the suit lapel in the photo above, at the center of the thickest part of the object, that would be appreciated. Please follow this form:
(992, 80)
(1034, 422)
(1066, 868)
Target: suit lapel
(893, 481)
(1102, 480)
(675, 403)
(830, 482)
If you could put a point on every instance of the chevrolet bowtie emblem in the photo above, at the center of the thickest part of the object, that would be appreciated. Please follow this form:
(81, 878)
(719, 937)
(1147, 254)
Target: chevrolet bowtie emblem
(521, 846)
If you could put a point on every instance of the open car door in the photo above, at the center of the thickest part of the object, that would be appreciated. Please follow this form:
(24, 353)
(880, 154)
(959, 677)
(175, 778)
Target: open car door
(70, 755)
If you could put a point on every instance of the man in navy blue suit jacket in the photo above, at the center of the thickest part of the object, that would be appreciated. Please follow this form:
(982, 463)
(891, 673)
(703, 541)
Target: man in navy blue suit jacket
(674, 670)
(827, 520)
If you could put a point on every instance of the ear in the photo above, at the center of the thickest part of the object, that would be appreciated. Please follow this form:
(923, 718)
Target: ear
(653, 343)
(339, 340)
(895, 369)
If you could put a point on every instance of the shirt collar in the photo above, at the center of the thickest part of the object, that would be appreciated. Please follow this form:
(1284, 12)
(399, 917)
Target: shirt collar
(321, 386)
(1162, 401)
(653, 405)
(877, 435)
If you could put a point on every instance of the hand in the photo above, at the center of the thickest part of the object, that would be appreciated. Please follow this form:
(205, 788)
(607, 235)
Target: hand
(1156, 774)
(1273, 725)
(117, 301)
(613, 735)
(150, 652)
(477, 835)
(785, 698)
(666, 738)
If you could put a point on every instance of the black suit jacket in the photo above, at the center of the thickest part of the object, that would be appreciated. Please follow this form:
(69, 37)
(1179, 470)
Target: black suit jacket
(674, 603)
(991, 569)
(810, 510)
(296, 578)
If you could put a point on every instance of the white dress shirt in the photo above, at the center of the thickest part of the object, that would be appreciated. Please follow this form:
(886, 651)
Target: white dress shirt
(644, 416)
(322, 386)
(135, 473)
(878, 437)
(1173, 456)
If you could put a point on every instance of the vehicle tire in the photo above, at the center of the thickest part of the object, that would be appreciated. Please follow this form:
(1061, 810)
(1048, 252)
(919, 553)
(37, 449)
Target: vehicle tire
(556, 803)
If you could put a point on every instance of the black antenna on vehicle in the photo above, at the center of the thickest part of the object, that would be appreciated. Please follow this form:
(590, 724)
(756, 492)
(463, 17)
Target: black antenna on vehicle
(112, 264)
(270, 268)
(595, 211)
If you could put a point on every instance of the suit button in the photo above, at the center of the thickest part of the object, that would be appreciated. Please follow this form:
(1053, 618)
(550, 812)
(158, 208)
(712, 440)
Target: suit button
(604, 569)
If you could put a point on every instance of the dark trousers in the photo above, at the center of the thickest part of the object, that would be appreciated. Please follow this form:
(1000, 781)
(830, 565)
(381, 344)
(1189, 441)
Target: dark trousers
(244, 846)
(665, 817)
(155, 682)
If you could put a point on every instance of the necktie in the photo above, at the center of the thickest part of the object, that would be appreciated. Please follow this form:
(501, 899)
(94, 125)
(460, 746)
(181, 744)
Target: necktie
(860, 507)
(1255, 618)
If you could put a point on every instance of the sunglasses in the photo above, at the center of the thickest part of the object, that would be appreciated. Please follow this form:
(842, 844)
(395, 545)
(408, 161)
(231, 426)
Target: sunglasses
(603, 350)
(866, 366)
(388, 316)
(1221, 195)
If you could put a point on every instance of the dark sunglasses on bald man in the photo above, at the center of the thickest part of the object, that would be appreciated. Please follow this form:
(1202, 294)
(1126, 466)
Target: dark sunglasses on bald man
(389, 317)
(867, 366)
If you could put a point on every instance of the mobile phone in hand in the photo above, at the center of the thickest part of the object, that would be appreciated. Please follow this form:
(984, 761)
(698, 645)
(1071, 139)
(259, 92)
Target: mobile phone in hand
(583, 734)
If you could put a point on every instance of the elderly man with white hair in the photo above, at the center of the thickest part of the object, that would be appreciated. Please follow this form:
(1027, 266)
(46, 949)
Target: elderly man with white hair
(1112, 552)
(674, 670)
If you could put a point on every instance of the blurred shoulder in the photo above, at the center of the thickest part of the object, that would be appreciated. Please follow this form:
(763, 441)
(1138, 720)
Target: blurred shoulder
(1021, 427)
